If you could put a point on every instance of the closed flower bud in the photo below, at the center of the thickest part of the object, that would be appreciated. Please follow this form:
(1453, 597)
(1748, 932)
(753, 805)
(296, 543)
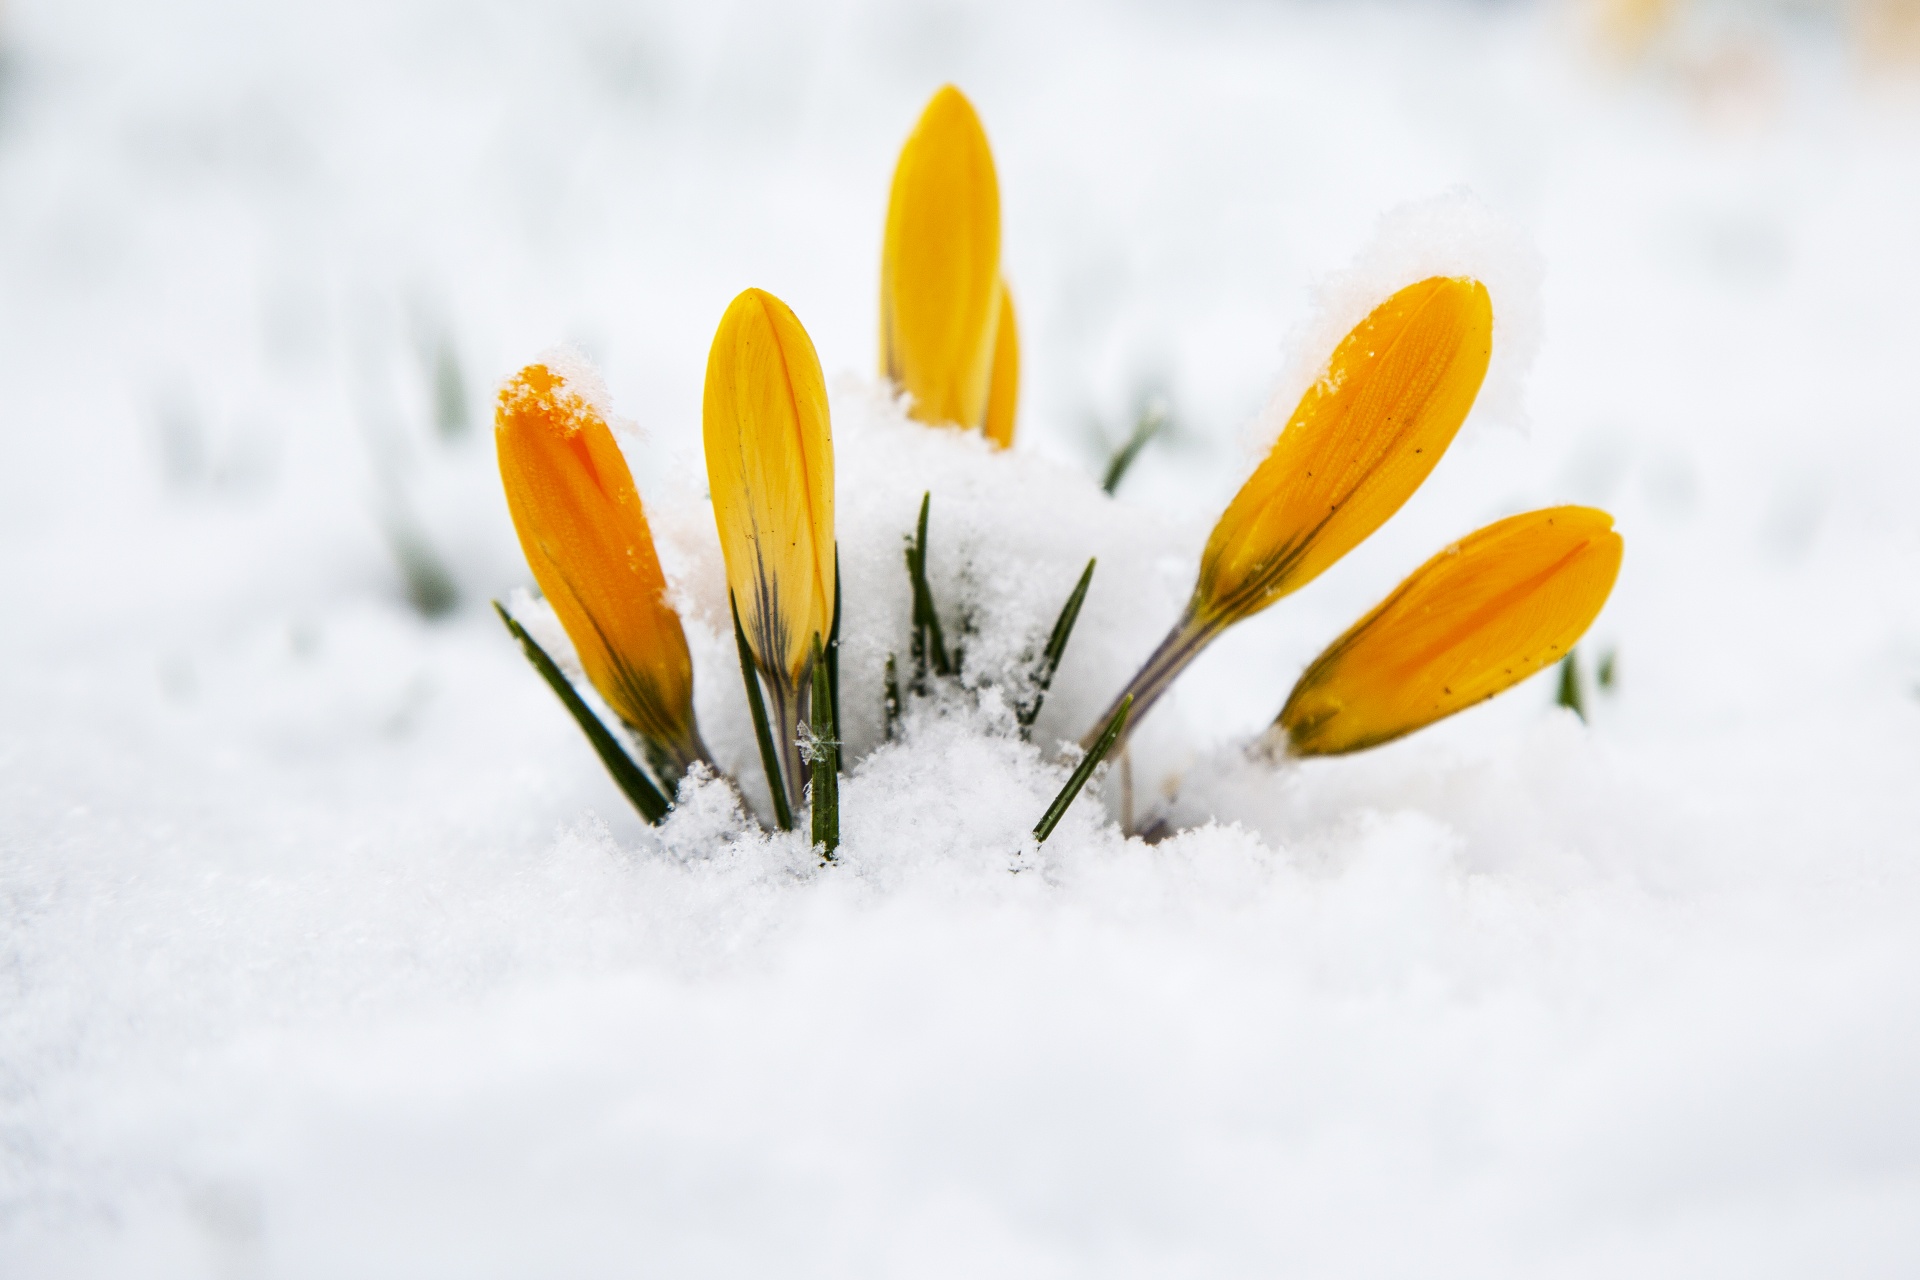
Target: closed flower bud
(1479, 617)
(942, 301)
(1364, 437)
(586, 539)
(770, 469)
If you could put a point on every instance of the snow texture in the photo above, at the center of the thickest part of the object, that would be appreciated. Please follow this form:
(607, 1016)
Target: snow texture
(327, 948)
(1453, 234)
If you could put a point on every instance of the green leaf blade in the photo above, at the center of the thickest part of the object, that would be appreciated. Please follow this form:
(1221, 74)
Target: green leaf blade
(826, 760)
(627, 775)
(1058, 809)
(833, 644)
(1056, 646)
(932, 646)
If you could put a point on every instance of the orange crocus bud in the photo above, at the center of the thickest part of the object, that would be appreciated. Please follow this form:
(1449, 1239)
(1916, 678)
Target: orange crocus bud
(586, 539)
(942, 301)
(770, 469)
(1363, 438)
(1481, 616)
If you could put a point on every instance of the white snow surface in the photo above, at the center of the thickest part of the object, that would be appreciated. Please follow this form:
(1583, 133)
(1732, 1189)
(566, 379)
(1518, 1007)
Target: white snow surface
(327, 948)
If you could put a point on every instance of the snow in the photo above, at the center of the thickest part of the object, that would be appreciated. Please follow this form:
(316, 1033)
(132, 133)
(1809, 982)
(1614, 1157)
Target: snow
(583, 379)
(1451, 234)
(329, 949)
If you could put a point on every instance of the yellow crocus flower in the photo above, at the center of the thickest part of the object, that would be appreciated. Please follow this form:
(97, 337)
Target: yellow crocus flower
(942, 301)
(1363, 438)
(1481, 616)
(586, 539)
(769, 447)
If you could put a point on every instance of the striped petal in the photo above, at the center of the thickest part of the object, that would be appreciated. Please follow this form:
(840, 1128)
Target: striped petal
(1363, 438)
(1478, 618)
(769, 448)
(586, 539)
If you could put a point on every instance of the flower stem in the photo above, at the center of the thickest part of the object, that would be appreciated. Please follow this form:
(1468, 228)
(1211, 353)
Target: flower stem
(769, 754)
(787, 711)
(1183, 644)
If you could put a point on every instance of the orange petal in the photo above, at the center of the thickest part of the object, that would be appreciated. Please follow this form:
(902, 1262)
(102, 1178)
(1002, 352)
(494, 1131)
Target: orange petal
(586, 539)
(1363, 438)
(1479, 617)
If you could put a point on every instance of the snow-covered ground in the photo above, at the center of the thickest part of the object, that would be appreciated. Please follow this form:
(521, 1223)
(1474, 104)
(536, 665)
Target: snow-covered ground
(329, 950)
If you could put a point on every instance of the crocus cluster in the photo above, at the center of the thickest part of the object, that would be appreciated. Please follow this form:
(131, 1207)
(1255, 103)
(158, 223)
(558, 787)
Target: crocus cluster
(1483, 614)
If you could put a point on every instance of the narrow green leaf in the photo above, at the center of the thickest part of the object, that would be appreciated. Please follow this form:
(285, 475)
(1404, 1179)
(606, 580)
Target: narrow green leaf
(626, 774)
(769, 756)
(1605, 674)
(926, 619)
(1070, 614)
(826, 759)
(917, 643)
(833, 645)
(1056, 647)
(1152, 419)
(1058, 809)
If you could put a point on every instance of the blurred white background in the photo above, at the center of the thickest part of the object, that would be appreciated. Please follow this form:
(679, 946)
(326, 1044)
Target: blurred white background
(296, 977)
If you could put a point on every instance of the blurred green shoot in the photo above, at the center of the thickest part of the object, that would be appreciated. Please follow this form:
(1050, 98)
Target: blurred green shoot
(1153, 417)
(431, 588)
(1568, 695)
(627, 775)
(1058, 809)
(439, 361)
(450, 416)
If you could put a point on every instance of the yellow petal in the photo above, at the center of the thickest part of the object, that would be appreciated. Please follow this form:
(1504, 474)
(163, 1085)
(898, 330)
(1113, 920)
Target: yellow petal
(1003, 397)
(1363, 438)
(940, 267)
(1481, 616)
(1627, 28)
(770, 469)
(586, 539)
